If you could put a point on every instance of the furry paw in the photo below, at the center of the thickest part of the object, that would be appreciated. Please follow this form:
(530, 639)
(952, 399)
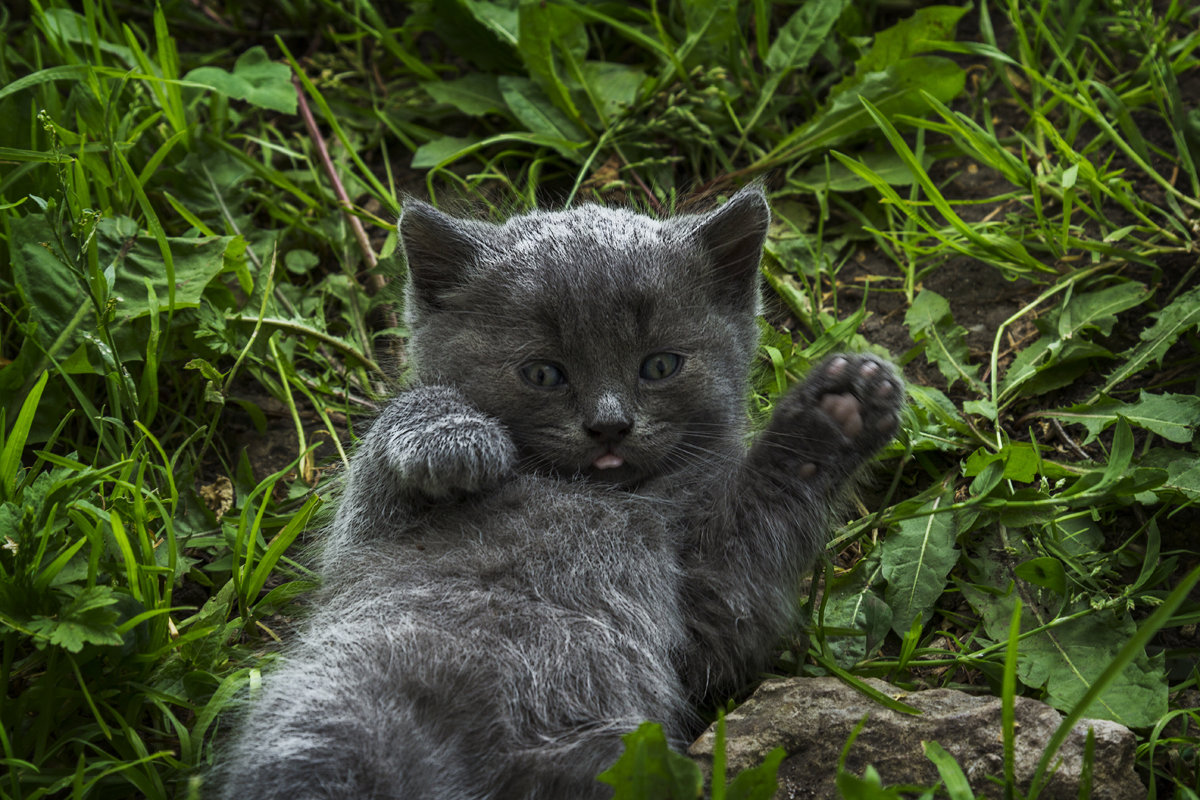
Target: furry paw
(846, 409)
(454, 454)
(862, 395)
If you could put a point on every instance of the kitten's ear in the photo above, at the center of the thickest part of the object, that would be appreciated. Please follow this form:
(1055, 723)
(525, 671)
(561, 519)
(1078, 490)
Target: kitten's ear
(733, 237)
(440, 250)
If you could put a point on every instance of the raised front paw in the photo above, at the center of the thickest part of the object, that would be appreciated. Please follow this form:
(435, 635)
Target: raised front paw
(454, 454)
(846, 409)
(861, 394)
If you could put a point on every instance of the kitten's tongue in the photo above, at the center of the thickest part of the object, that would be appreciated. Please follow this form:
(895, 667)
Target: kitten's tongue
(608, 461)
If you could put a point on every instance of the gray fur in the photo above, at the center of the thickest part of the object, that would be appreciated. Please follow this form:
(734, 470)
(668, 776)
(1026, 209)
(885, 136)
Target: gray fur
(496, 608)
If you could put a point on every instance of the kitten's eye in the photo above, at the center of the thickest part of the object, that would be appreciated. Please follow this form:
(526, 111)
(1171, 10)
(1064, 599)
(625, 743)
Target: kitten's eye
(661, 365)
(543, 374)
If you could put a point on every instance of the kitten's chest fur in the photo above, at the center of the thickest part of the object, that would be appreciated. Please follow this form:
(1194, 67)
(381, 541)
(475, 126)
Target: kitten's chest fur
(572, 546)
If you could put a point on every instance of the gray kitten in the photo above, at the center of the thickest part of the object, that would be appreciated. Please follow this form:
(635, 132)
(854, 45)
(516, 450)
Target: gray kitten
(560, 529)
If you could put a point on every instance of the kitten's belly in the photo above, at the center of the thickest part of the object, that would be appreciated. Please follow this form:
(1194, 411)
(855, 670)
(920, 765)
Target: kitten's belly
(542, 590)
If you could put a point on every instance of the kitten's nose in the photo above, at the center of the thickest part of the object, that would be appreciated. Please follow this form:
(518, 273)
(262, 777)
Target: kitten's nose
(609, 431)
(610, 422)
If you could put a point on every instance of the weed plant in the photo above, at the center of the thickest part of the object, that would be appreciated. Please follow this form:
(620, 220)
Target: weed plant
(197, 250)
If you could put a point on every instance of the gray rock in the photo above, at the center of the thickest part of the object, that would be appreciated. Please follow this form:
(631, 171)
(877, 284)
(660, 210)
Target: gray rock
(812, 718)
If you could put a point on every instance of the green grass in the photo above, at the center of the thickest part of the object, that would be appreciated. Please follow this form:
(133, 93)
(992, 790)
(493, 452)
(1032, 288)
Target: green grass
(197, 243)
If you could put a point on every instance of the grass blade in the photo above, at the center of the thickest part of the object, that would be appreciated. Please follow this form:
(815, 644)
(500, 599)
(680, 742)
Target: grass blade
(14, 442)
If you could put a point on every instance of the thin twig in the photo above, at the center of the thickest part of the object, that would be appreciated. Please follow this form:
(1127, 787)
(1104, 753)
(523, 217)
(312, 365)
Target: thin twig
(212, 15)
(375, 282)
(1067, 440)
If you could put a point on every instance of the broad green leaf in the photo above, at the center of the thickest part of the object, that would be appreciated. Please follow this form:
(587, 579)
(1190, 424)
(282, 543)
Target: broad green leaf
(53, 290)
(1068, 658)
(1183, 476)
(929, 323)
(987, 481)
(852, 604)
(941, 427)
(137, 263)
(925, 30)
(984, 408)
(712, 25)
(1020, 461)
(474, 94)
(795, 45)
(649, 768)
(484, 33)
(529, 104)
(804, 32)
(71, 26)
(543, 30)
(616, 86)
(1096, 309)
(1095, 416)
(300, 261)
(501, 18)
(1172, 416)
(1048, 364)
(1131, 651)
(1179, 317)
(1045, 571)
(1065, 658)
(1061, 341)
(87, 619)
(255, 78)
(443, 150)
(915, 559)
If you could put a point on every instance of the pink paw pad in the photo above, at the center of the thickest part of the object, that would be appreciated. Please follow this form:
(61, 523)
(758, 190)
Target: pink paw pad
(846, 411)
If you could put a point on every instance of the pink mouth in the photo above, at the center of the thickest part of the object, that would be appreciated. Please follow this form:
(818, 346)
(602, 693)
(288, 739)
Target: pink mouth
(608, 461)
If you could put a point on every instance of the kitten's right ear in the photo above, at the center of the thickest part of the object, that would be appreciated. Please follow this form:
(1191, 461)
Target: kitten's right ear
(440, 251)
(733, 236)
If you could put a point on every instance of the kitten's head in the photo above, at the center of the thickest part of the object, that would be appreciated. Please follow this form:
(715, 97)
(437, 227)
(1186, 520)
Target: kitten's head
(611, 344)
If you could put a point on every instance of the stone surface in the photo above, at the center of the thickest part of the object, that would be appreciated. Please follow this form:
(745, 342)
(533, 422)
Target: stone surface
(812, 718)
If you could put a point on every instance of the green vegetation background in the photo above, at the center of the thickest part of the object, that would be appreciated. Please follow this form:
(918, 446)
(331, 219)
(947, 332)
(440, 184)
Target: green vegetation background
(197, 252)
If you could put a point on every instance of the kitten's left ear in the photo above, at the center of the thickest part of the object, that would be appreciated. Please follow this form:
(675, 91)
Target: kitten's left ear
(441, 252)
(733, 237)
